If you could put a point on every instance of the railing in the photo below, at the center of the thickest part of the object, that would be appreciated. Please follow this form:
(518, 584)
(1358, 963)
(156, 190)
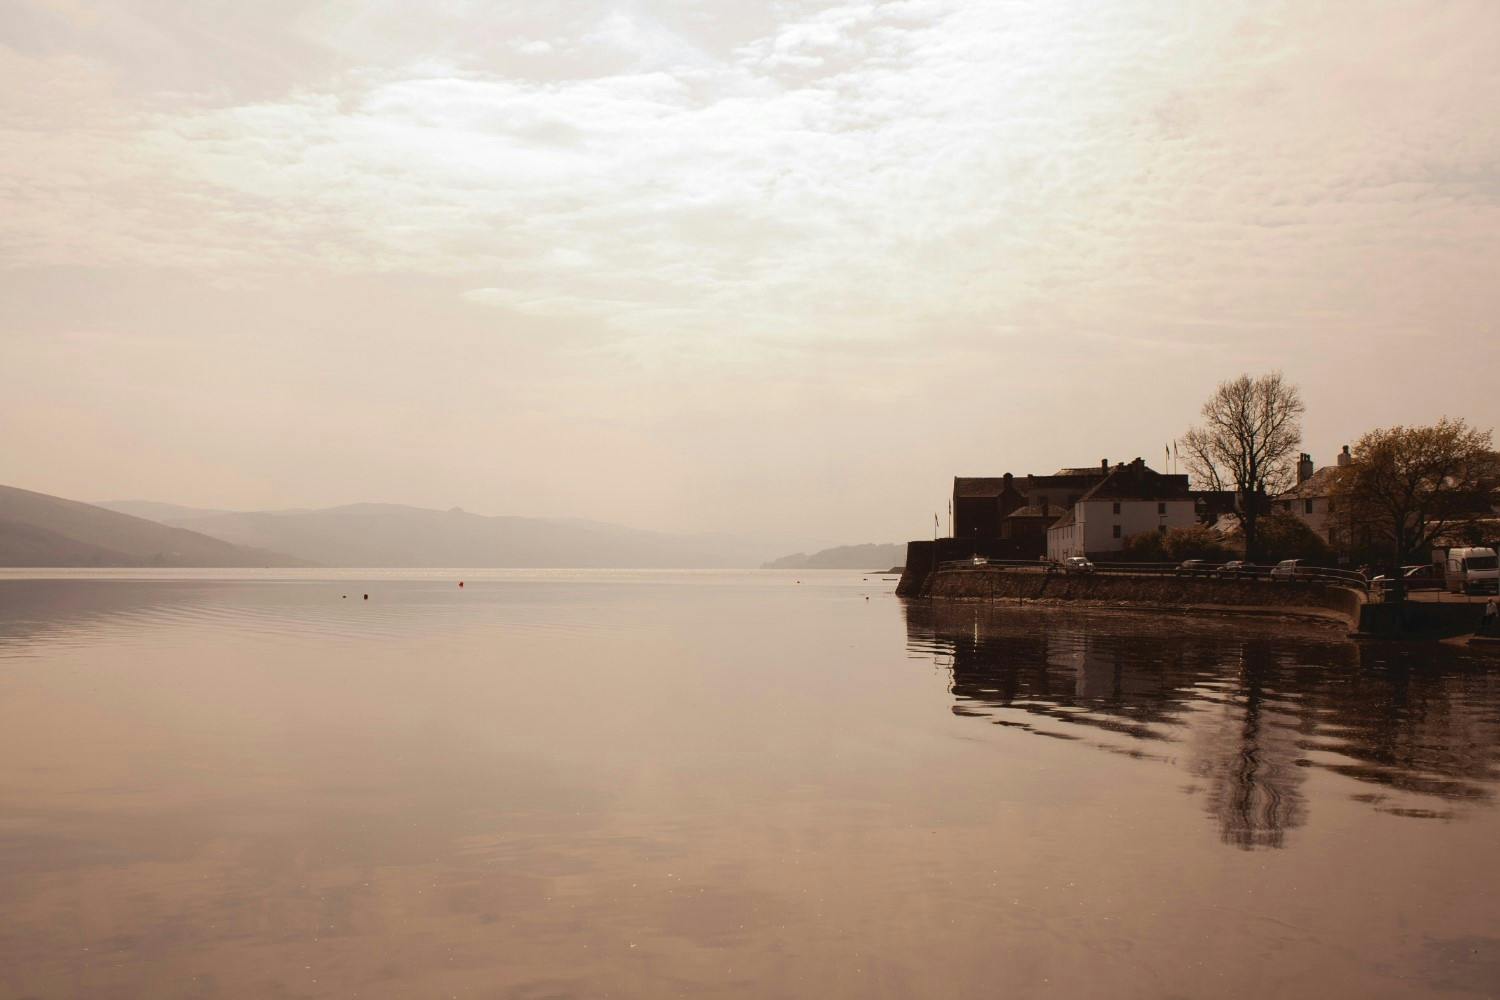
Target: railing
(1215, 571)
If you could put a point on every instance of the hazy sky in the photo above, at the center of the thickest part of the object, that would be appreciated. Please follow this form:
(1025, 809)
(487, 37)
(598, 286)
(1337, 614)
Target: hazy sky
(730, 265)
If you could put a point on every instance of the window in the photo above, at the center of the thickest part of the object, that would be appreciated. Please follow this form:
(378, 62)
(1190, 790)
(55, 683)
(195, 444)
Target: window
(1330, 505)
(1161, 529)
(1307, 506)
(1117, 528)
(1117, 506)
(1161, 508)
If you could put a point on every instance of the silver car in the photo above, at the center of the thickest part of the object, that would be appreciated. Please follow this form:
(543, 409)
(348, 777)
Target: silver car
(1286, 569)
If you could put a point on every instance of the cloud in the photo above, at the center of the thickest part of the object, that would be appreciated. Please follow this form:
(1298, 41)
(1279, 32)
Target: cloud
(907, 195)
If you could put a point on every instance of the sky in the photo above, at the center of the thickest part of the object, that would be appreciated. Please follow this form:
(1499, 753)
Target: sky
(741, 266)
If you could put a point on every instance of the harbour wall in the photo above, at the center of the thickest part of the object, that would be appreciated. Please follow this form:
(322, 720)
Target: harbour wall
(1304, 599)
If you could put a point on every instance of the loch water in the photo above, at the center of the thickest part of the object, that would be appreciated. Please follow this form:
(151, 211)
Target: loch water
(550, 784)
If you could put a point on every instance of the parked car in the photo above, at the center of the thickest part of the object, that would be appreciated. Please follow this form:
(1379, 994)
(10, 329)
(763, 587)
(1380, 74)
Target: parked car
(979, 561)
(1194, 567)
(1287, 569)
(1238, 567)
(1077, 564)
(1425, 577)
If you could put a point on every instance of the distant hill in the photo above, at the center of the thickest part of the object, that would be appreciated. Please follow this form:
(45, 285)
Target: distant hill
(376, 534)
(870, 556)
(41, 530)
(153, 511)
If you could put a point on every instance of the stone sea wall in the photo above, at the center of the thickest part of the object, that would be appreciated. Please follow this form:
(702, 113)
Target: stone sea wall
(1315, 600)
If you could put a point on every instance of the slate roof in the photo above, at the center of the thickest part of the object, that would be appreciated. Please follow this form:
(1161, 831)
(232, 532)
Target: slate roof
(994, 486)
(1139, 482)
(1319, 484)
(1033, 510)
(978, 486)
(1063, 479)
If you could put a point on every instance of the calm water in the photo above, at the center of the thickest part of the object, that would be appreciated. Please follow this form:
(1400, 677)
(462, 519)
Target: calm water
(654, 785)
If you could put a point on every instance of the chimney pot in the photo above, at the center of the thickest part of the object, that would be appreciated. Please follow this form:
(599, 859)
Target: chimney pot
(1304, 468)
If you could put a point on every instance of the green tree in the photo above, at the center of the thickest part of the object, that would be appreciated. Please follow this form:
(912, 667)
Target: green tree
(1197, 542)
(1409, 485)
(1286, 536)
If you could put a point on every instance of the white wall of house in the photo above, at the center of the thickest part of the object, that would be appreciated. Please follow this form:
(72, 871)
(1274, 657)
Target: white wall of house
(1063, 542)
(1313, 511)
(1104, 525)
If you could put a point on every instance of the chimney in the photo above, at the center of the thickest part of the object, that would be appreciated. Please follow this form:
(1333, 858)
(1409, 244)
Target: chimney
(1104, 466)
(1305, 468)
(1345, 458)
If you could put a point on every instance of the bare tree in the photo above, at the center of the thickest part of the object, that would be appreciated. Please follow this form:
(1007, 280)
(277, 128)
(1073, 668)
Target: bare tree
(1412, 484)
(1248, 443)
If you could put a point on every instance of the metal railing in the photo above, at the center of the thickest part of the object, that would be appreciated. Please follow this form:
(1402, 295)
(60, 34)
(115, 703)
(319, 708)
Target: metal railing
(1214, 571)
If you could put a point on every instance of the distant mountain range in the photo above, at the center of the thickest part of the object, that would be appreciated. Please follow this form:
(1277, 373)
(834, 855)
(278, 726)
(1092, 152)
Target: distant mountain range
(870, 556)
(378, 534)
(41, 530)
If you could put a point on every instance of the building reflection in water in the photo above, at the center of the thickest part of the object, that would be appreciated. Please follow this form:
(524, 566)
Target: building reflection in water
(1249, 709)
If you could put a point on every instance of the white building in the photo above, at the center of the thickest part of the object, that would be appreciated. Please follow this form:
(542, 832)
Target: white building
(1312, 498)
(1131, 500)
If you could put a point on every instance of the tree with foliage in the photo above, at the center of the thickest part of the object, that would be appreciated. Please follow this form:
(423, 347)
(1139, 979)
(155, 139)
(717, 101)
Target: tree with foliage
(1284, 535)
(1409, 485)
(1248, 442)
(1178, 544)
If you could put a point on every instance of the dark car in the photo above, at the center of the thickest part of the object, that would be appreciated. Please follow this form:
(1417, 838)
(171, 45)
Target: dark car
(1239, 567)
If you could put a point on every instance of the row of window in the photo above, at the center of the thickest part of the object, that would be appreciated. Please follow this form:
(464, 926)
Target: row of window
(1161, 508)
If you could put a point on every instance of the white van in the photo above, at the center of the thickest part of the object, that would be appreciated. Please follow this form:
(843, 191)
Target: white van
(1472, 571)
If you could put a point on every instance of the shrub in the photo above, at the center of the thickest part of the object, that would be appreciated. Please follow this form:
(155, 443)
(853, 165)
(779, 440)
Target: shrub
(1145, 547)
(1197, 542)
(1284, 535)
(1178, 544)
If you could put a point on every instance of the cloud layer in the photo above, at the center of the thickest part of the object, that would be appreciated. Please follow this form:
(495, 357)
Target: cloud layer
(848, 220)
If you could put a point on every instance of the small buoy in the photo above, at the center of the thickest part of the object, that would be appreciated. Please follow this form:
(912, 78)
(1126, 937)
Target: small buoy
(460, 585)
(367, 597)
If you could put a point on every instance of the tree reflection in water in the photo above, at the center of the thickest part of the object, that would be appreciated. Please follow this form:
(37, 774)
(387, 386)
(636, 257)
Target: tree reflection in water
(1256, 705)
